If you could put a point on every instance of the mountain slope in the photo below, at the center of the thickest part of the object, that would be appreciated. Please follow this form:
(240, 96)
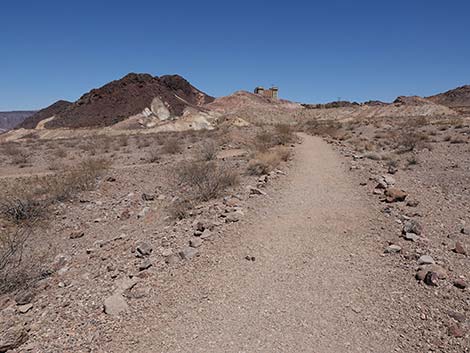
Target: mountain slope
(123, 98)
(45, 113)
(455, 98)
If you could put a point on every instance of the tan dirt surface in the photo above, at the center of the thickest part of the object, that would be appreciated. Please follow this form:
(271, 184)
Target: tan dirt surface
(317, 283)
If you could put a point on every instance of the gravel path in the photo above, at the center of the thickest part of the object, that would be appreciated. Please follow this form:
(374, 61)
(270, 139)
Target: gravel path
(317, 283)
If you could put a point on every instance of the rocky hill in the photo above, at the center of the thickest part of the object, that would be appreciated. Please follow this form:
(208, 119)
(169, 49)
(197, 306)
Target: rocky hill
(455, 98)
(165, 97)
(8, 120)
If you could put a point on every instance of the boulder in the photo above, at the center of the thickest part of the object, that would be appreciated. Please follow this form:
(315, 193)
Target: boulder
(12, 338)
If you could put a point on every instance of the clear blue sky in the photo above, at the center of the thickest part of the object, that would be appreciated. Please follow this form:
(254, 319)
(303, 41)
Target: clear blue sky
(314, 51)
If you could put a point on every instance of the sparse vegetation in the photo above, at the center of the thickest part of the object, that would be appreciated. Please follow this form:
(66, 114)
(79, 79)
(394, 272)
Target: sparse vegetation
(208, 150)
(206, 180)
(172, 146)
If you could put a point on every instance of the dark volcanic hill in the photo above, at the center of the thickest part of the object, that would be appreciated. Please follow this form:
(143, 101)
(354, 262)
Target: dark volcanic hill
(54, 109)
(8, 120)
(455, 98)
(123, 98)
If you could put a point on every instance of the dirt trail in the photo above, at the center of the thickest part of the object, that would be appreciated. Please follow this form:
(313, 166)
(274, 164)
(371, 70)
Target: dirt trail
(317, 284)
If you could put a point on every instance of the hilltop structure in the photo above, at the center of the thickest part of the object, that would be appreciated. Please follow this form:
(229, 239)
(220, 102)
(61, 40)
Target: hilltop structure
(272, 92)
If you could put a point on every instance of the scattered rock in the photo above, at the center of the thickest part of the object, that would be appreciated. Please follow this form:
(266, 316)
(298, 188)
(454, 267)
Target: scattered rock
(456, 316)
(431, 278)
(250, 258)
(411, 237)
(206, 234)
(460, 249)
(425, 260)
(24, 297)
(234, 216)
(195, 242)
(77, 234)
(148, 197)
(421, 275)
(455, 330)
(395, 195)
(188, 253)
(23, 309)
(143, 249)
(412, 226)
(145, 265)
(111, 179)
(115, 304)
(392, 249)
(12, 338)
(412, 203)
(460, 283)
(255, 191)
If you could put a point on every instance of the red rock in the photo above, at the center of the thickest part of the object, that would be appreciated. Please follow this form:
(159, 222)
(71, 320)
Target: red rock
(395, 195)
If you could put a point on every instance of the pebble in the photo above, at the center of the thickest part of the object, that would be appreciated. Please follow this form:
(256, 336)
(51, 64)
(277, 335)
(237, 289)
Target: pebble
(188, 253)
(392, 249)
(195, 242)
(460, 283)
(460, 249)
(425, 260)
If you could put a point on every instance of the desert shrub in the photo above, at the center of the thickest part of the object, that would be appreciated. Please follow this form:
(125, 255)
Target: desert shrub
(80, 178)
(179, 209)
(264, 140)
(410, 141)
(172, 146)
(20, 159)
(208, 150)
(206, 180)
(412, 160)
(285, 134)
(265, 162)
(21, 208)
(323, 128)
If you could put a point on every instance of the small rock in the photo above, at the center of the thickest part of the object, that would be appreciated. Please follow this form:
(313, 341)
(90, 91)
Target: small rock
(148, 197)
(411, 237)
(256, 191)
(392, 249)
(24, 297)
(425, 260)
(460, 249)
(250, 258)
(455, 330)
(456, 316)
(206, 234)
(460, 283)
(115, 304)
(395, 195)
(412, 226)
(143, 249)
(145, 265)
(412, 203)
(111, 179)
(188, 253)
(392, 169)
(420, 275)
(171, 260)
(234, 216)
(77, 234)
(431, 279)
(465, 231)
(378, 192)
(23, 309)
(195, 242)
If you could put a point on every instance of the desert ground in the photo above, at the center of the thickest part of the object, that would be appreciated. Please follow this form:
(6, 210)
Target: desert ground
(244, 225)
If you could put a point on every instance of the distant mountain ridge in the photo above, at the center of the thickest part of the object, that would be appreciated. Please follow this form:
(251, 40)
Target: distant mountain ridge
(120, 99)
(454, 98)
(9, 120)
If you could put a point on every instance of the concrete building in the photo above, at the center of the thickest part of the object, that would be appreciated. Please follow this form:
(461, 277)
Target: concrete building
(272, 92)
